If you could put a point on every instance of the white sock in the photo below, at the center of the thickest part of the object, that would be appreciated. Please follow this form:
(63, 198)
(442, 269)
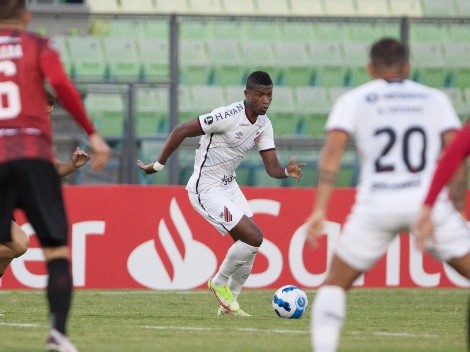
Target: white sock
(239, 277)
(237, 255)
(327, 318)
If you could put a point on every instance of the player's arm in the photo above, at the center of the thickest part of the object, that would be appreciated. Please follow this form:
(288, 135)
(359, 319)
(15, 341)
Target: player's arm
(176, 137)
(78, 159)
(328, 168)
(458, 183)
(274, 168)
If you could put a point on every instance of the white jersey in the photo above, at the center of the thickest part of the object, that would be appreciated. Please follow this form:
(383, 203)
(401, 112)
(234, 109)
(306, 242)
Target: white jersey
(397, 128)
(229, 135)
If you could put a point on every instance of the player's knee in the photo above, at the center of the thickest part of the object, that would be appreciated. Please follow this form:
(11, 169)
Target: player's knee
(258, 238)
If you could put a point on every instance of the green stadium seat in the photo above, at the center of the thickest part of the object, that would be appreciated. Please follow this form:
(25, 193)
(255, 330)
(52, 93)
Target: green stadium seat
(173, 6)
(193, 62)
(266, 30)
(294, 63)
(229, 30)
(328, 62)
(107, 111)
(335, 92)
(373, 8)
(282, 112)
(207, 98)
(123, 59)
(272, 7)
(459, 33)
(205, 7)
(357, 56)
(195, 30)
(429, 33)
(134, 7)
(439, 8)
(185, 104)
(331, 31)
(254, 61)
(457, 96)
(366, 32)
(408, 8)
(457, 56)
(147, 118)
(428, 65)
(340, 8)
(155, 29)
(239, 7)
(313, 105)
(88, 58)
(391, 29)
(234, 93)
(163, 109)
(463, 8)
(307, 8)
(298, 31)
(126, 28)
(61, 44)
(154, 56)
(226, 61)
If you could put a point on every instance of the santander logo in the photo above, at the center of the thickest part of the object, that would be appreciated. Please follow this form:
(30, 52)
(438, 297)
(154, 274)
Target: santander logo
(147, 268)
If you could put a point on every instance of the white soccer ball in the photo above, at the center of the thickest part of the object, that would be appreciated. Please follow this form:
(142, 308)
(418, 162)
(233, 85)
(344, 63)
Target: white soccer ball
(290, 302)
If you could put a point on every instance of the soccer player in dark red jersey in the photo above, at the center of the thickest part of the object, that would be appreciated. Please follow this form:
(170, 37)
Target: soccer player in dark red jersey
(28, 178)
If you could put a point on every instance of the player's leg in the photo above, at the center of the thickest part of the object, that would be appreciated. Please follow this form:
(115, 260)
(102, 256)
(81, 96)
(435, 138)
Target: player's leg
(14, 248)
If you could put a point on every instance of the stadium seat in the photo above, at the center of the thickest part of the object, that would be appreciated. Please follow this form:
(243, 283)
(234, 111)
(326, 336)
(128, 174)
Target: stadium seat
(173, 6)
(454, 52)
(298, 31)
(123, 59)
(438, 8)
(250, 50)
(229, 30)
(266, 30)
(126, 28)
(193, 62)
(340, 8)
(225, 58)
(147, 119)
(366, 32)
(141, 6)
(207, 98)
(330, 31)
(186, 105)
(282, 112)
(330, 68)
(312, 105)
(88, 58)
(155, 29)
(234, 93)
(107, 111)
(459, 33)
(307, 8)
(103, 6)
(409, 8)
(205, 7)
(433, 72)
(356, 56)
(61, 44)
(391, 29)
(457, 96)
(373, 8)
(335, 92)
(463, 8)
(428, 33)
(197, 30)
(273, 7)
(154, 55)
(163, 109)
(294, 63)
(239, 7)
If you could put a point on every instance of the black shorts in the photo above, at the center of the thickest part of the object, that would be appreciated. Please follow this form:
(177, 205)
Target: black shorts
(34, 186)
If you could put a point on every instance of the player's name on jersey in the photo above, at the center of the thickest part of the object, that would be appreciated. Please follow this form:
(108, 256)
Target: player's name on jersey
(11, 51)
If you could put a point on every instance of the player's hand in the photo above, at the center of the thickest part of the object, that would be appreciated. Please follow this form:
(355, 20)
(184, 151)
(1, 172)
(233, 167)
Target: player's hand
(147, 168)
(295, 170)
(423, 227)
(315, 224)
(101, 151)
(80, 158)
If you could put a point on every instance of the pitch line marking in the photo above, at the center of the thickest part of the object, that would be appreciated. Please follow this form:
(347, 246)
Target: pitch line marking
(193, 328)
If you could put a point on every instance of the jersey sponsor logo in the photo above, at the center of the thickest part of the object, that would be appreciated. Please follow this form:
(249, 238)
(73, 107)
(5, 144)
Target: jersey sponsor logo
(208, 120)
(10, 40)
(239, 135)
(227, 179)
(227, 215)
(11, 51)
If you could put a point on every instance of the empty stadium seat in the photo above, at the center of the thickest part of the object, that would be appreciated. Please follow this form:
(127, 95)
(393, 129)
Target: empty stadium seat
(439, 8)
(298, 31)
(356, 56)
(155, 29)
(312, 105)
(366, 32)
(330, 68)
(226, 61)
(429, 33)
(239, 7)
(122, 58)
(432, 72)
(193, 62)
(205, 7)
(282, 112)
(462, 8)
(147, 118)
(329, 31)
(307, 8)
(266, 30)
(409, 8)
(294, 62)
(61, 45)
(207, 98)
(126, 28)
(251, 49)
(457, 96)
(234, 93)
(186, 105)
(374, 8)
(154, 55)
(229, 30)
(458, 33)
(340, 8)
(457, 57)
(198, 30)
(88, 58)
(273, 7)
(107, 112)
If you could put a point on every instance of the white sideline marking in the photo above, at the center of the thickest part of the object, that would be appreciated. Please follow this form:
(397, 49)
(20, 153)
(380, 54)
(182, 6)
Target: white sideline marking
(22, 325)
(193, 328)
(393, 334)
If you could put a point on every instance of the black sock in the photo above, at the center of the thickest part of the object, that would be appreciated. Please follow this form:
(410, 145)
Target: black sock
(59, 292)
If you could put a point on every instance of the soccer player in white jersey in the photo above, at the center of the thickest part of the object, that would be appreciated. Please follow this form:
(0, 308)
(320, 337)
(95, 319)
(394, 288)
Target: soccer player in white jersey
(399, 127)
(227, 134)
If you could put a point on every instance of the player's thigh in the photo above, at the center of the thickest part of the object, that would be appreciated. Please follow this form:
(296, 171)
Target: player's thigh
(362, 242)
(40, 196)
(7, 201)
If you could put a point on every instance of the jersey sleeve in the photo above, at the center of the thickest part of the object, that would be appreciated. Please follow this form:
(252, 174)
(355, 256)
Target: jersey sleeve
(449, 118)
(266, 139)
(454, 154)
(215, 121)
(342, 115)
(51, 65)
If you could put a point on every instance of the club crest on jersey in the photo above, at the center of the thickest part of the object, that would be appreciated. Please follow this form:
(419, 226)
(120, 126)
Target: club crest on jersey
(208, 120)
(238, 135)
(372, 97)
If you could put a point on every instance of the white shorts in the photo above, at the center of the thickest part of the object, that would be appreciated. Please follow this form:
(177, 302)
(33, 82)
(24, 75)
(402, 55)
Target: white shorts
(366, 235)
(222, 207)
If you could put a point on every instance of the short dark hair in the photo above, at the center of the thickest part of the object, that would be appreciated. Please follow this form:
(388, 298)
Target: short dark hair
(388, 52)
(12, 9)
(258, 78)
(50, 98)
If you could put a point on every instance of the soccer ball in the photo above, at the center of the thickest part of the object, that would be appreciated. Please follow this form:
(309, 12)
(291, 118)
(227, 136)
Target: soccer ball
(290, 302)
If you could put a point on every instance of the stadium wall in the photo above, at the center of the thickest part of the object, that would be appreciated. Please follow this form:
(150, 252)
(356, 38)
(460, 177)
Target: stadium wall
(151, 238)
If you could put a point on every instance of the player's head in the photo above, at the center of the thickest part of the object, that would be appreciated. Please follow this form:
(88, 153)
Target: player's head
(14, 11)
(389, 58)
(258, 93)
(50, 101)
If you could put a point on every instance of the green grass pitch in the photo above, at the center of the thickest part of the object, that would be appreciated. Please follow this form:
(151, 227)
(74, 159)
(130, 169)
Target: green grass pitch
(133, 321)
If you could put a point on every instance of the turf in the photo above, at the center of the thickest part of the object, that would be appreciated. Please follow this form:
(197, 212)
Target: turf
(134, 321)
